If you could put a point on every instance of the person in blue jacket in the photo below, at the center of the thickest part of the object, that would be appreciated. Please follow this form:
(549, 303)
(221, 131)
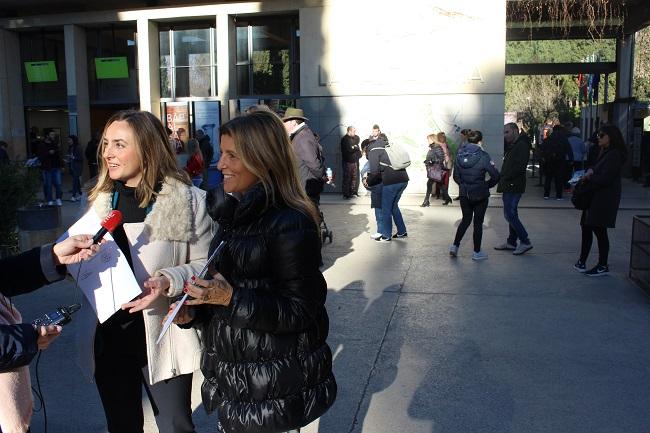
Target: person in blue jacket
(24, 273)
(472, 163)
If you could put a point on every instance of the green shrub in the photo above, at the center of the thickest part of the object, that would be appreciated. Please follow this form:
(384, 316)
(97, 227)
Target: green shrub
(18, 188)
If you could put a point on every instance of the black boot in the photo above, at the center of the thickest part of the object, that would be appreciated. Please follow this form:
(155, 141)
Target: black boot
(447, 200)
(425, 203)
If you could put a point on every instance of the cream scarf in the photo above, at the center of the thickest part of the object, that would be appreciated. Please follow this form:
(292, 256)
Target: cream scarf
(15, 385)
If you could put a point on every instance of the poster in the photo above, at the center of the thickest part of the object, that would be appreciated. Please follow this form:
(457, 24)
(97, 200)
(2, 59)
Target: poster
(207, 117)
(177, 118)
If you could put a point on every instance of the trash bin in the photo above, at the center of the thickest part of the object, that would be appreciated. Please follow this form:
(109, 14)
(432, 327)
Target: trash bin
(640, 252)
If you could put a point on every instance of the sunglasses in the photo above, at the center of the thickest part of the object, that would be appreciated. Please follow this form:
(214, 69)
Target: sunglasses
(601, 134)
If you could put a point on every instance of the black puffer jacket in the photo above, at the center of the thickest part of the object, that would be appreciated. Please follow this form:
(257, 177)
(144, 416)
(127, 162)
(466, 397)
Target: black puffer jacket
(469, 172)
(266, 364)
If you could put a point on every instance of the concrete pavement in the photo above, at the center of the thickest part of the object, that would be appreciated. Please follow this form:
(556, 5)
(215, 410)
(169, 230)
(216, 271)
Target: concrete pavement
(426, 343)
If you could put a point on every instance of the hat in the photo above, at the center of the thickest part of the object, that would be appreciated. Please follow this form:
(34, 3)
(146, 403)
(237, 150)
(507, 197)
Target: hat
(575, 130)
(293, 113)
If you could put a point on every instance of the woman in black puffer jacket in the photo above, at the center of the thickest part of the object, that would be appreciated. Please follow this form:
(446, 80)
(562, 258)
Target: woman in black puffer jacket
(266, 363)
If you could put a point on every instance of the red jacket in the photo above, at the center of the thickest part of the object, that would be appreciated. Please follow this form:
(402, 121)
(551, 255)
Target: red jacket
(194, 165)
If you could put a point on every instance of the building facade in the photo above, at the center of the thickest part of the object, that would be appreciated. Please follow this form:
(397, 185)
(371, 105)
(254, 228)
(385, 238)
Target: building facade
(421, 68)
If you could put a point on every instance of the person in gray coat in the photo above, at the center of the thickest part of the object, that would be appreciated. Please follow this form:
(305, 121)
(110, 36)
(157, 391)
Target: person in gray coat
(603, 181)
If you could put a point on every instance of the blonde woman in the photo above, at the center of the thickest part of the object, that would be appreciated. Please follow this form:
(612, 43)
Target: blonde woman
(266, 363)
(165, 238)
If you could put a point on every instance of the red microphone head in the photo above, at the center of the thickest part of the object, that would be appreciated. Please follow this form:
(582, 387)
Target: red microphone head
(112, 220)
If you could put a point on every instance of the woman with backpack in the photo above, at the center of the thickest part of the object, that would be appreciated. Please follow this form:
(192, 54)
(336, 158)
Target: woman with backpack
(472, 163)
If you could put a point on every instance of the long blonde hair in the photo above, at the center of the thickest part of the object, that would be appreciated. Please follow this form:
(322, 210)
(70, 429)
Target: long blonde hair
(157, 159)
(263, 145)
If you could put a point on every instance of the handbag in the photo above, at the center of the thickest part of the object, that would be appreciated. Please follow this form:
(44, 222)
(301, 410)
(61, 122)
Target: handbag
(434, 171)
(582, 195)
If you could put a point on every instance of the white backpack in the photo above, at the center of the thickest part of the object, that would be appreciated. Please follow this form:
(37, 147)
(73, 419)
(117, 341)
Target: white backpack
(398, 156)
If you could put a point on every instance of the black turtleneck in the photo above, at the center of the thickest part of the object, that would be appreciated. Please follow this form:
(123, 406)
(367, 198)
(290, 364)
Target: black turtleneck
(128, 204)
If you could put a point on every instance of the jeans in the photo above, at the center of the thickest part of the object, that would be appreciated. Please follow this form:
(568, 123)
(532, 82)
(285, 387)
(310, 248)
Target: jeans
(390, 195)
(475, 210)
(378, 218)
(516, 228)
(52, 177)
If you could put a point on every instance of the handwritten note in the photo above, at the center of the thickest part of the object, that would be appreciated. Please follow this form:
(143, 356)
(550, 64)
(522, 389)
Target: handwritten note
(106, 280)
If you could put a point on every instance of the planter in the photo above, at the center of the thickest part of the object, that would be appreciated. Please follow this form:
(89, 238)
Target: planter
(37, 225)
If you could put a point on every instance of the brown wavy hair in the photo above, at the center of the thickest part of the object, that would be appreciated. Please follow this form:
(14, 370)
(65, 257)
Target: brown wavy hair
(263, 145)
(157, 159)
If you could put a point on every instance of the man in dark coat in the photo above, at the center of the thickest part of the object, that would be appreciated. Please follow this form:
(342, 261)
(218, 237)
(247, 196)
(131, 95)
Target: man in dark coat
(556, 152)
(308, 150)
(49, 153)
(512, 185)
(350, 154)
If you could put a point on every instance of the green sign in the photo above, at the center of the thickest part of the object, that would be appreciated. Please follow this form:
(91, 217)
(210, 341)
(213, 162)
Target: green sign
(39, 72)
(111, 67)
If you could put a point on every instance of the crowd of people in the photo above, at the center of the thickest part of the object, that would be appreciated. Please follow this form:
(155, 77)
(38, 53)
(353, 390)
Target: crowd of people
(256, 324)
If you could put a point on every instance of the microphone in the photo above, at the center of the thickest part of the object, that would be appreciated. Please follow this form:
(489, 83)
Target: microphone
(109, 223)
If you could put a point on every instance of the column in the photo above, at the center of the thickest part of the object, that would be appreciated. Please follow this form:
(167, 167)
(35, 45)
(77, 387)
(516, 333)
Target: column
(76, 65)
(226, 61)
(149, 66)
(12, 111)
(624, 66)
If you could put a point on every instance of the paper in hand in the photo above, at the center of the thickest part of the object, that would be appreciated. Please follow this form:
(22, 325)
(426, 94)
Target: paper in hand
(106, 279)
(181, 301)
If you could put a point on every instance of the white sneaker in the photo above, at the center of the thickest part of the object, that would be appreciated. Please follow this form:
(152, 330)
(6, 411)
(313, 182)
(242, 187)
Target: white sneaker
(375, 236)
(73, 198)
(522, 248)
(479, 256)
(453, 250)
(50, 203)
(59, 202)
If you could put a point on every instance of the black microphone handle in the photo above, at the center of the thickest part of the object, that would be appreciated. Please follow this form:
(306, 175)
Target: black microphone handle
(99, 235)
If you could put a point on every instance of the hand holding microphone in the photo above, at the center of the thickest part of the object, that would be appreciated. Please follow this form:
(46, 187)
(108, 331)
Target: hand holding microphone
(77, 248)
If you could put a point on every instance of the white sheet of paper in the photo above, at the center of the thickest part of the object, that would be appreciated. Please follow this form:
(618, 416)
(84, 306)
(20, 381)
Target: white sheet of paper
(106, 280)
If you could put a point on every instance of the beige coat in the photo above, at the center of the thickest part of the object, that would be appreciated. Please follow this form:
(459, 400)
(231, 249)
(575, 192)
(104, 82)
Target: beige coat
(173, 241)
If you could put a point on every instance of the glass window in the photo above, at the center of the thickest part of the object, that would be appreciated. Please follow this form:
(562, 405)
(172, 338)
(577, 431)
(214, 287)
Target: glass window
(187, 61)
(41, 46)
(267, 56)
(112, 41)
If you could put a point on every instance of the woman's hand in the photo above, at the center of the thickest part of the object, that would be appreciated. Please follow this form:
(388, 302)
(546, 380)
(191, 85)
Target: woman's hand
(153, 288)
(74, 249)
(185, 314)
(217, 291)
(47, 334)
(588, 173)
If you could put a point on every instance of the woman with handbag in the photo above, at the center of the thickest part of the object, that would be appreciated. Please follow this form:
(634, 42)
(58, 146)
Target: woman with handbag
(603, 181)
(472, 163)
(436, 163)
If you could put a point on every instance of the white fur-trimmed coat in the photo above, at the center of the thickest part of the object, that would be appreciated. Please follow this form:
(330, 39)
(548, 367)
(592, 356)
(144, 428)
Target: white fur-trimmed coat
(173, 241)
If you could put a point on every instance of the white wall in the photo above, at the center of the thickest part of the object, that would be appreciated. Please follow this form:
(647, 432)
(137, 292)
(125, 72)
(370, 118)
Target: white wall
(430, 66)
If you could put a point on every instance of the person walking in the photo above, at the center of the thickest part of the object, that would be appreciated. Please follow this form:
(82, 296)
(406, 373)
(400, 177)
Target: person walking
(512, 184)
(309, 151)
(434, 163)
(75, 161)
(49, 154)
(556, 152)
(262, 315)
(603, 181)
(472, 163)
(165, 238)
(91, 154)
(393, 181)
(350, 154)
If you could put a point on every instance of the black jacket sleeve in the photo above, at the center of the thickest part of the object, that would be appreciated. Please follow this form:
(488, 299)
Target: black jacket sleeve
(24, 273)
(492, 171)
(18, 345)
